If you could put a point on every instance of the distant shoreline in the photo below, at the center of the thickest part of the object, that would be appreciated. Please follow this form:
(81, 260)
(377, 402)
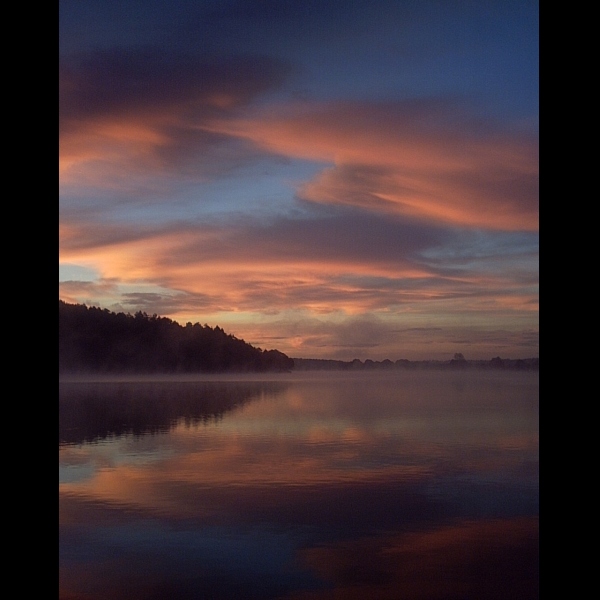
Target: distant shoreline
(302, 365)
(316, 364)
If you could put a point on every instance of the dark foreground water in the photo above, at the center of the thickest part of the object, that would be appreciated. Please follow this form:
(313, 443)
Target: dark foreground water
(403, 485)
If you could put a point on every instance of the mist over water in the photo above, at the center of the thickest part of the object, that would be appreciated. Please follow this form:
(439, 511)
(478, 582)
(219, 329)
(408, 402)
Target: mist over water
(301, 485)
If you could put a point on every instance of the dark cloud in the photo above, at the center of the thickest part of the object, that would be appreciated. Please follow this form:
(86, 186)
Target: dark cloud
(134, 82)
(359, 334)
(164, 304)
(87, 287)
(88, 235)
(344, 234)
(369, 336)
(91, 293)
(132, 113)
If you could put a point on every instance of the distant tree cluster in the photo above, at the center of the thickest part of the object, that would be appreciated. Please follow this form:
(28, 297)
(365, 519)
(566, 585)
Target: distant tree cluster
(97, 340)
(458, 362)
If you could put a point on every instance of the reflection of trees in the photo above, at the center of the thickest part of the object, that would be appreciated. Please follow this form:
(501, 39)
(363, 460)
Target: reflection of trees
(93, 411)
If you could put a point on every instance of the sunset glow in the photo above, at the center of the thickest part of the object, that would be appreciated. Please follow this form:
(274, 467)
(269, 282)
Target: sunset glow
(334, 184)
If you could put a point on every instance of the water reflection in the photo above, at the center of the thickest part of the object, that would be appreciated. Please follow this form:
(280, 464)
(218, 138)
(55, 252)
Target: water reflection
(415, 485)
(97, 410)
(495, 559)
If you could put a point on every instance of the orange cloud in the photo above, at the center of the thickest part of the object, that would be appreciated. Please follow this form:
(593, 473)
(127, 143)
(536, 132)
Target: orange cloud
(128, 117)
(105, 152)
(342, 267)
(407, 159)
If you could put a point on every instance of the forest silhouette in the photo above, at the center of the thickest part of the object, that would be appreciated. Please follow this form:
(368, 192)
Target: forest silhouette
(95, 340)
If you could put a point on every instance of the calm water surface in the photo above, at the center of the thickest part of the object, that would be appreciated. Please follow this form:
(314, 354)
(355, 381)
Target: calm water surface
(414, 485)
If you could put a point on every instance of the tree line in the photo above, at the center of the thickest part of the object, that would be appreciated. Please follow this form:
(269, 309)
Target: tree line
(92, 339)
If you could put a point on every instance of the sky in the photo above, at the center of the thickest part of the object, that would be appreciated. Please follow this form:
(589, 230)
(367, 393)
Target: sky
(331, 179)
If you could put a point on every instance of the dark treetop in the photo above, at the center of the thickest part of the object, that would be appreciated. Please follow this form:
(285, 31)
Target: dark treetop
(96, 340)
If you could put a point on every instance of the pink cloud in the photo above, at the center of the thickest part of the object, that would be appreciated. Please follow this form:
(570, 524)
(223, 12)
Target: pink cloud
(407, 158)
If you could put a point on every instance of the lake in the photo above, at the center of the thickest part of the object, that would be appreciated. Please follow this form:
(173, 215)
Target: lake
(314, 485)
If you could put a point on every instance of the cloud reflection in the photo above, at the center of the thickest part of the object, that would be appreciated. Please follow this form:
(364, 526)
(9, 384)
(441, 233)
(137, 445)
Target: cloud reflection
(474, 560)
